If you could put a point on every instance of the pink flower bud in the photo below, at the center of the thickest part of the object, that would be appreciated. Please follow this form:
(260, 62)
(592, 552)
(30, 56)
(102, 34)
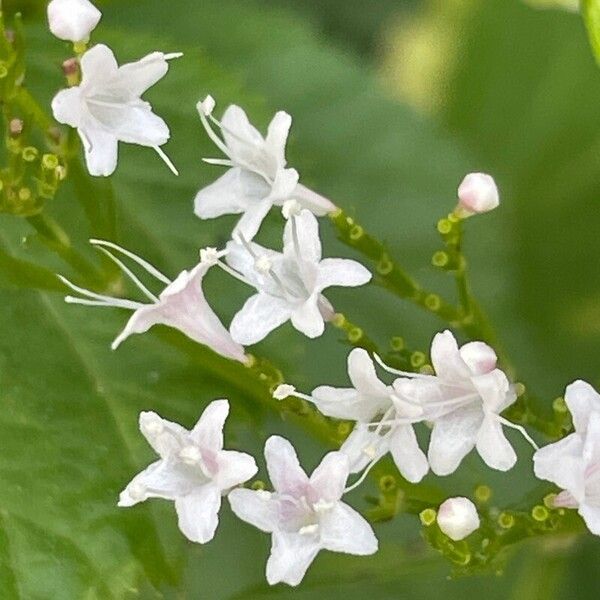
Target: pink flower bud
(457, 518)
(477, 194)
(72, 20)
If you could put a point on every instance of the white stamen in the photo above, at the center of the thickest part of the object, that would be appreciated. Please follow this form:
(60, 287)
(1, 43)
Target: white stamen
(190, 455)
(102, 300)
(322, 506)
(291, 208)
(283, 391)
(309, 529)
(166, 160)
(210, 255)
(519, 428)
(402, 373)
(206, 106)
(263, 264)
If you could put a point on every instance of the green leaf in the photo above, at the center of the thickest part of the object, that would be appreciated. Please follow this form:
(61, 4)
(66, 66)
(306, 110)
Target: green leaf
(590, 9)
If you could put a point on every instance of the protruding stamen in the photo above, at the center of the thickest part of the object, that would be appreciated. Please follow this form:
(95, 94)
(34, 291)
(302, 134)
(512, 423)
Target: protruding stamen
(166, 160)
(98, 299)
(519, 428)
(172, 55)
(206, 106)
(393, 371)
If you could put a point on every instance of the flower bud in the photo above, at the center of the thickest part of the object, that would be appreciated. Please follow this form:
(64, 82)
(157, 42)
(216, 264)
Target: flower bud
(73, 20)
(457, 518)
(477, 194)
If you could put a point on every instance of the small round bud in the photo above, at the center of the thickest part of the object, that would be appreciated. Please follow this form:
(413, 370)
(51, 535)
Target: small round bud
(540, 513)
(506, 520)
(427, 516)
(483, 493)
(15, 128)
(355, 334)
(283, 391)
(478, 193)
(73, 20)
(50, 161)
(457, 518)
(30, 153)
(206, 106)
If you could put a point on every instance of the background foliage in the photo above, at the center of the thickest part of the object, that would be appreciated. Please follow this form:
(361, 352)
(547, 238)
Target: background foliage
(391, 106)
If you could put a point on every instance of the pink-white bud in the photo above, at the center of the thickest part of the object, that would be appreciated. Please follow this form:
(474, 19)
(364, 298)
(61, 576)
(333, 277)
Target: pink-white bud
(457, 518)
(73, 20)
(478, 193)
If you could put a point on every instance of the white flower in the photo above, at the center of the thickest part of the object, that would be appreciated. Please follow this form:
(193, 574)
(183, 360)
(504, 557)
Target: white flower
(477, 194)
(304, 515)
(289, 285)
(180, 305)
(457, 518)
(193, 470)
(258, 178)
(107, 107)
(573, 463)
(464, 401)
(383, 420)
(73, 20)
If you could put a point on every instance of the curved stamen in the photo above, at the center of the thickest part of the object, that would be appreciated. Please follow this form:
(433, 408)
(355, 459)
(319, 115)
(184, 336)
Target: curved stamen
(115, 303)
(393, 371)
(519, 428)
(100, 298)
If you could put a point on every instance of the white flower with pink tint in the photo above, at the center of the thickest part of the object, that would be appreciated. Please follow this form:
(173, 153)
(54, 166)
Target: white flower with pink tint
(72, 20)
(477, 193)
(457, 518)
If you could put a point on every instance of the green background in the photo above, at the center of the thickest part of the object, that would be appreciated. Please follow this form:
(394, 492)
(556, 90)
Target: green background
(513, 91)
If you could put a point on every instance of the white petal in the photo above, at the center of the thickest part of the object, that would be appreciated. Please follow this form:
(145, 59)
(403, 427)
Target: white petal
(317, 204)
(66, 106)
(252, 219)
(235, 120)
(363, 375)
(142, 74)
(291, 555)
(255, 507)
(408, 456)
(344, 530)
(479, 357)
(234, 468)
(452, 438)
(347, 403)
(591, 515)
(493, 447)
(283, 186)
(165, 437)
(562, 463)
(285, 472)
(446, 359)
(309, 241)
(98, 65)
(495, 391)
(72, 20)
(307, 318)
(258, 317)
(342, 272)
(101, 150)
(208, 431)
(582, 399)
(591, 446)
(277, 135)
(329, 478)
(363, 446)
(198, 513)
(239, 258)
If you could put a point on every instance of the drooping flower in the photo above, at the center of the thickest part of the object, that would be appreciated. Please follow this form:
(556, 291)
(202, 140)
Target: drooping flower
(73, 20)
(457, 518)
(289, 284)
(573, 463)
(193, 470)
(257, 178)
(477, 193)
(304, 514)
(383, 420)
(180, 305)
(107, 107)
(464, 401)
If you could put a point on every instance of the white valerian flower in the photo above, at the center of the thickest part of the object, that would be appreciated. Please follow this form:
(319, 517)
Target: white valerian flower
(383, 419)
(289, 284)
(193, 470)
(573, 463)
(304, 514)
(258, 178)
(463, 401)
(72, 20)
(477, 193)
(180, 305)
(107, 107)
(457, 518)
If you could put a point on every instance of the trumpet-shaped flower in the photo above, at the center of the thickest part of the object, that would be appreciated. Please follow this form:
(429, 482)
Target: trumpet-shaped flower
(304, 514)
(573, 463)
(180, 305)
(257, 178)
(73, 20)
(464, 401)
(107, 107)
(193, 470)
(289, 284)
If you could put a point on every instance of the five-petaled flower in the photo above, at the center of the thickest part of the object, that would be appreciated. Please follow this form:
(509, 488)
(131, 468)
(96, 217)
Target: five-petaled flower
(289, 284)
(193, 470)
(573, 463)
(107, 107)
(258, 178)
(180, 305)
(304, 514)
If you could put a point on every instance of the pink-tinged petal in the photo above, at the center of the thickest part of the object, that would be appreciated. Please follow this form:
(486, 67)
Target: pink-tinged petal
(363, 446)
(307, 318)
(256, 507)
(562, 463)
(341, 272)
(363, 376)
(479, 357)
(446, 358)
(285, 472)
(208, 431)
(291, 555)
(565, 500)
(98, 65)
(101, 150)
(408, 456)
(234, 468)
(591, 515)
(260, 315)
(308, 238)
(493, 447)
(198, 513)
(452, 438)
(165, 437)
(251, 220)
(277, 135)
(328, 480)
(591, 446)
(317, 204)
(347, 403)
(342, 529)
(582, 399)
(495, 391)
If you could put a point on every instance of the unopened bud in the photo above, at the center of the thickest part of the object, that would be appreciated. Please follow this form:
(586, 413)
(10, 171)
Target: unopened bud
(15, 128)
(477, 193)
(457, 518)
(71, 70)
(73, 20)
